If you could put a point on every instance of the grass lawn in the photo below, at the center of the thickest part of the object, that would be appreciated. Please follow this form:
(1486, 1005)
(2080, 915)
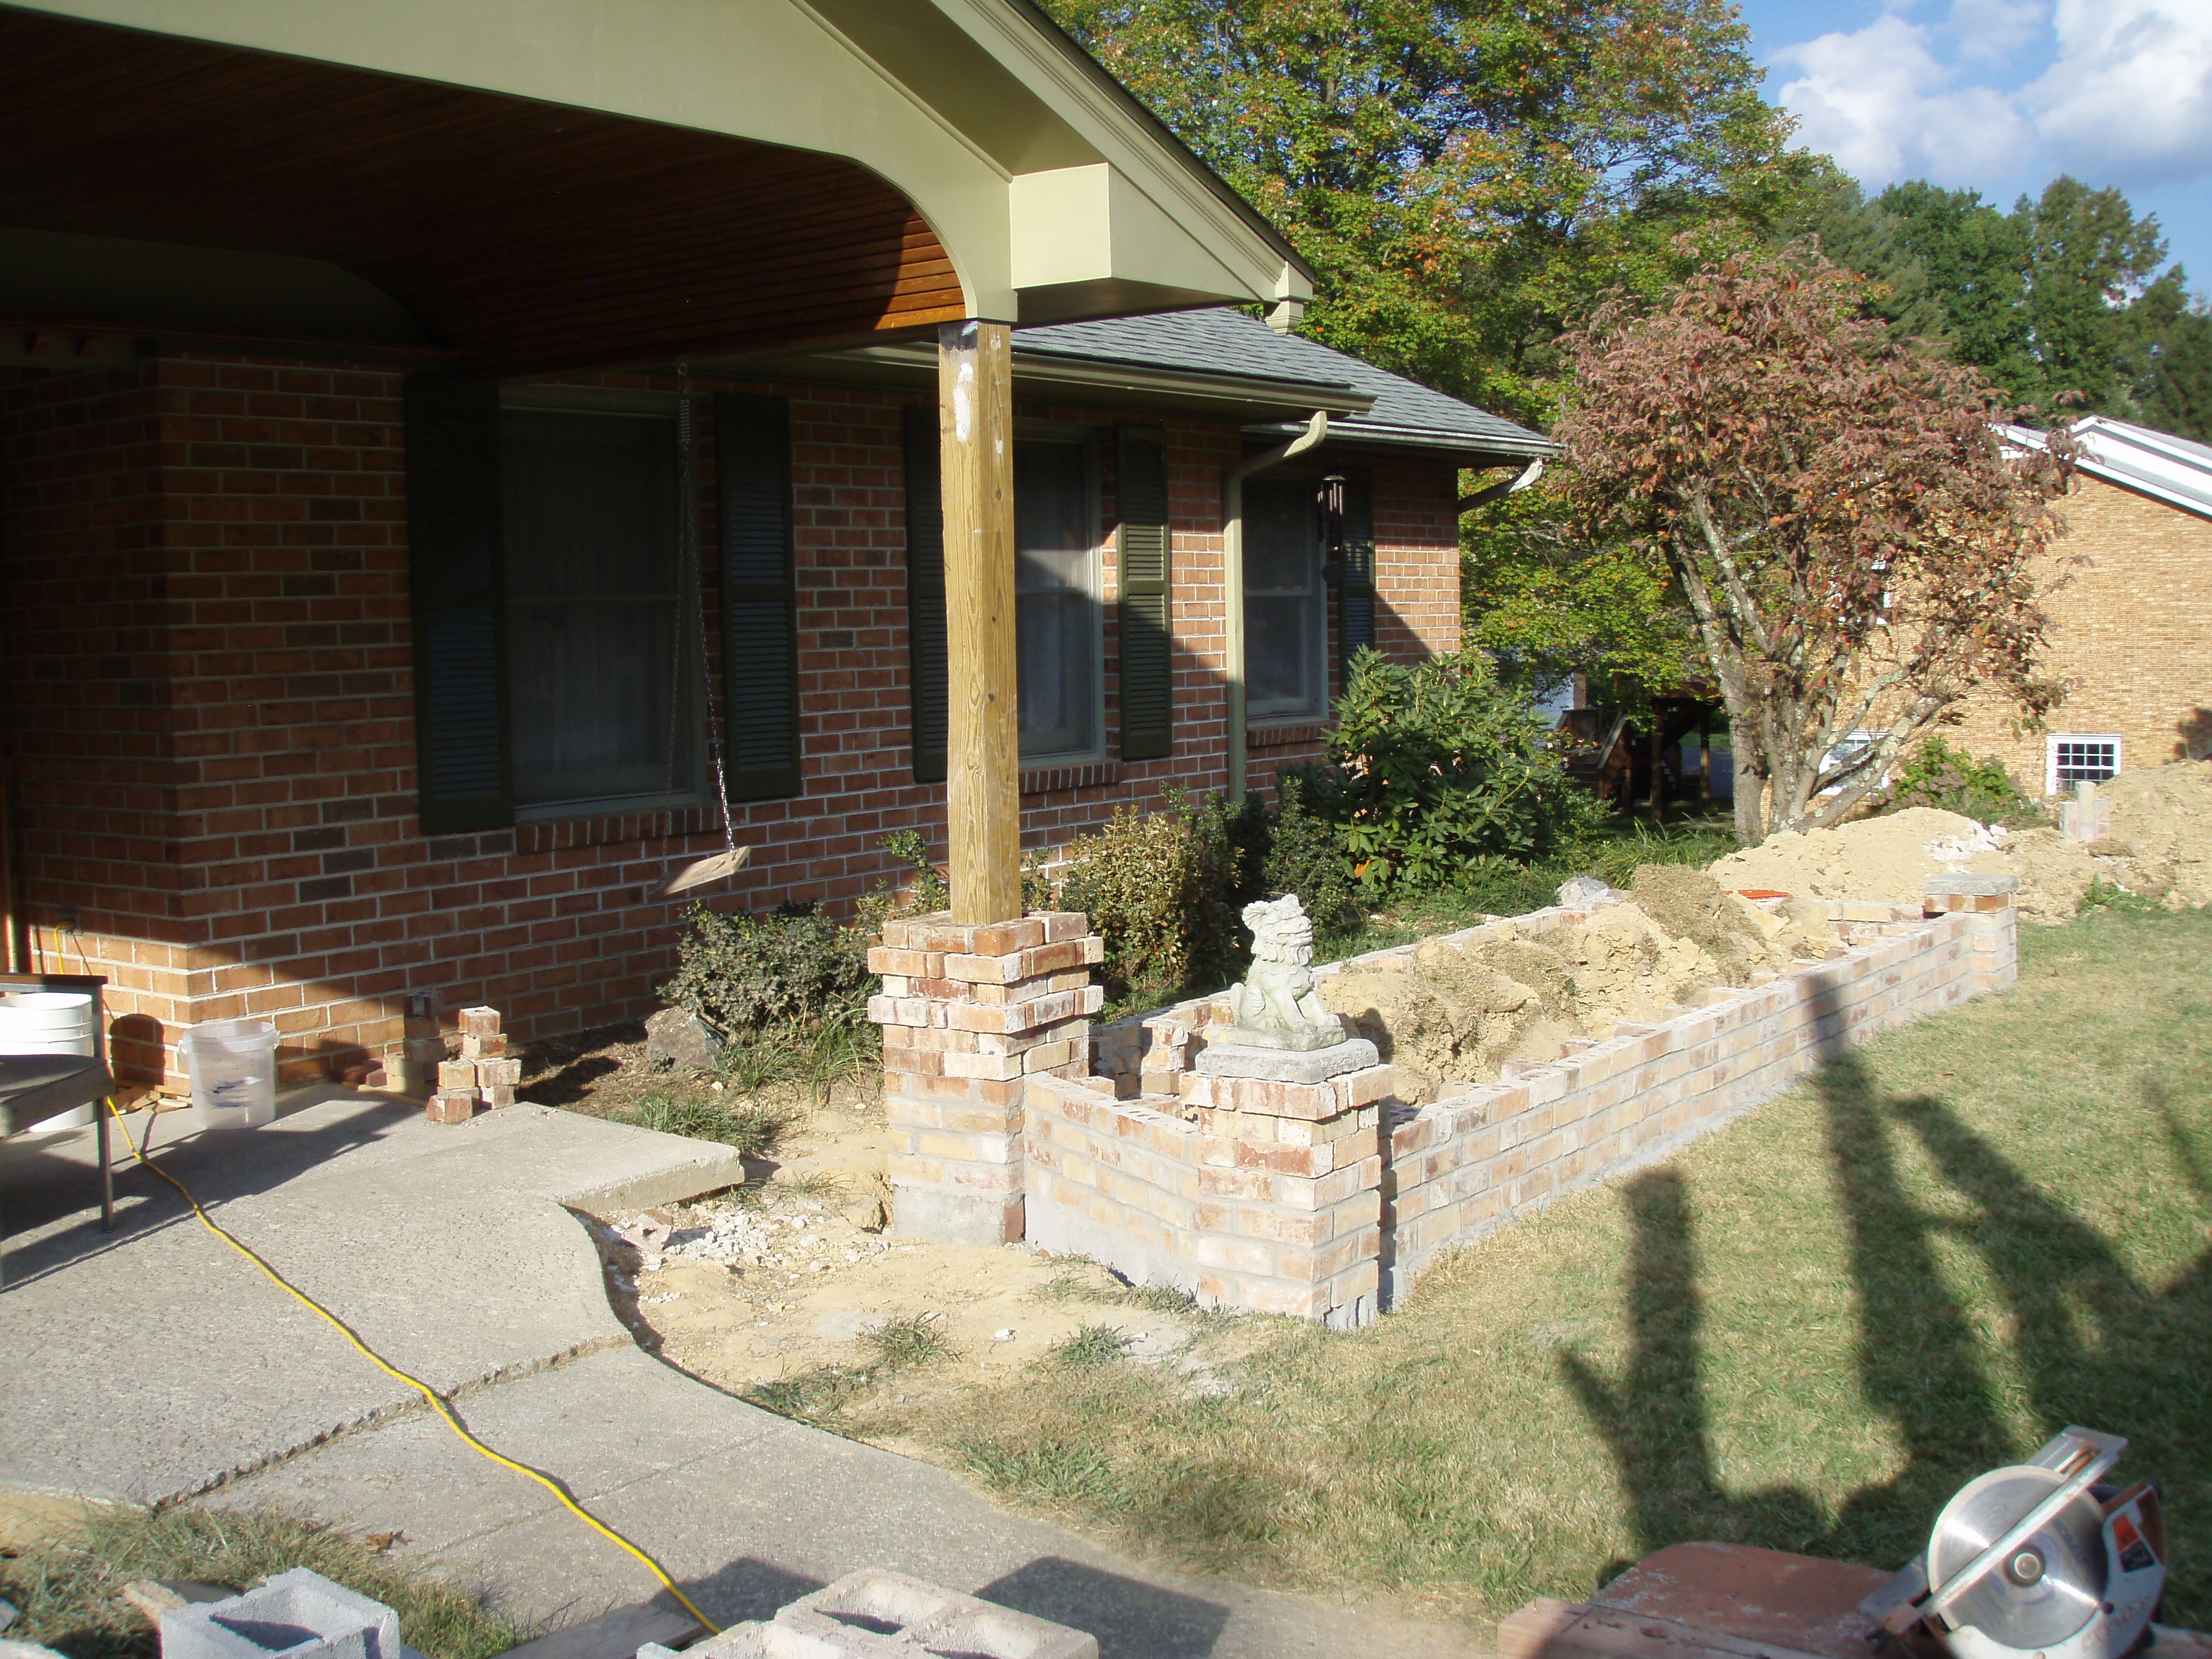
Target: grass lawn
(1805, 1332)
(68, 1587)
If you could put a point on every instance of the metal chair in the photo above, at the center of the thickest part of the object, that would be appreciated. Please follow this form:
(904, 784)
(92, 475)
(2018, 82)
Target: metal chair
(35, 1087)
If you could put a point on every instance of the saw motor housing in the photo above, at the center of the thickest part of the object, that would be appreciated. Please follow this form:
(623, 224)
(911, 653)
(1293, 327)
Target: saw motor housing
(2037, 1559)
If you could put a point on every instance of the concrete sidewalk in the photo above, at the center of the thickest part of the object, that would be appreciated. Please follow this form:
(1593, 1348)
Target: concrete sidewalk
(156, 1364)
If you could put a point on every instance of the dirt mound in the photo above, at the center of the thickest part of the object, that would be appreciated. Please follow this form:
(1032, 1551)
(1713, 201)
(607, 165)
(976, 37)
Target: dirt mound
(1458, 1012)
(1883, 858)
(2163, 817)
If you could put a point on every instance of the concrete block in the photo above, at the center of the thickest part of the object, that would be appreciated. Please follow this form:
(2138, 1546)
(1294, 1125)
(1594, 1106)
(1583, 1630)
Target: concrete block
(299, 1614)
(955, 1215)
(1287, 1065)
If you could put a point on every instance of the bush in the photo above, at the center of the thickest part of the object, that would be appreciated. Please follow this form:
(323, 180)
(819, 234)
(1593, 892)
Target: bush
(1306, 854)
(1941, 776)
(1162, 890)
(1435, 766)
(745, 974)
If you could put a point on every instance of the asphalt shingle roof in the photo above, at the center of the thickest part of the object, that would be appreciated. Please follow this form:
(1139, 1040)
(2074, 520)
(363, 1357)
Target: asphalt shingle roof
(1230, 343)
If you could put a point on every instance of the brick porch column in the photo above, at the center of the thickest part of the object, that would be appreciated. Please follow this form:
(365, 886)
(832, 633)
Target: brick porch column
(968, 1011)
(1291, 1193)
(1994, 928)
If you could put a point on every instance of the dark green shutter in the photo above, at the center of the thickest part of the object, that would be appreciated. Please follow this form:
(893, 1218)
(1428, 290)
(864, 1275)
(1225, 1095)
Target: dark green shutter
(455, 577)
(1146, 551)
(925, 596)
(760, 599)
(1355, 602)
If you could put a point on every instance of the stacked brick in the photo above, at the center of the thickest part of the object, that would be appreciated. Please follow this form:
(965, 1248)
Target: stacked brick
(481, 1072)
(970, 1012)
(1247, 1194)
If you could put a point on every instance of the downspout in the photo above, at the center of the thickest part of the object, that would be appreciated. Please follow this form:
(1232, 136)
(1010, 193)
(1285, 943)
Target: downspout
(1232, 578)
(1491, 493)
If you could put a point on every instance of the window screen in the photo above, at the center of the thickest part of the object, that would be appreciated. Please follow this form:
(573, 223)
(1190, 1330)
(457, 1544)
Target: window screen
(2082, 760)
(598, 677)
(1285, 619)
(1056, 630)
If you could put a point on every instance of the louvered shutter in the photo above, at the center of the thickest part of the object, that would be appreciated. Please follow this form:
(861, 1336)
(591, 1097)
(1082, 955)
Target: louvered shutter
(455, 580)
(760, 599)
(1146, 597)
(1355, 604)
(928, 674)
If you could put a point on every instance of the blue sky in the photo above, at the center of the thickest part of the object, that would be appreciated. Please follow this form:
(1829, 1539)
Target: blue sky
(2003, 96)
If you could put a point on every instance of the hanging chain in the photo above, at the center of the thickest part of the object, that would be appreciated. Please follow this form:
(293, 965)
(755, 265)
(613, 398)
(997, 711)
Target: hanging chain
(689, 530)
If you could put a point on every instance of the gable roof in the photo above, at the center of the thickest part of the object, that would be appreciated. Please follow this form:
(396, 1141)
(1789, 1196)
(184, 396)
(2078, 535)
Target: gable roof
(1225, 342)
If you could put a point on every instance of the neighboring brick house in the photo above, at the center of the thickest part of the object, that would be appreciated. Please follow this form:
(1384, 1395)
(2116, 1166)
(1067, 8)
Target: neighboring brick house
(2131, 618)
(224, 666)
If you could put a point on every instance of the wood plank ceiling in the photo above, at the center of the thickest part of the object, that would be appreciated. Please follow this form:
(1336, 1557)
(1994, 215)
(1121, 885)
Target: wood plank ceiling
(526, 237)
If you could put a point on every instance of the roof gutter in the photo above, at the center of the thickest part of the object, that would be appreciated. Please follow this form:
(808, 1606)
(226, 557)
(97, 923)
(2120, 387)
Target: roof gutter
(1232, 583)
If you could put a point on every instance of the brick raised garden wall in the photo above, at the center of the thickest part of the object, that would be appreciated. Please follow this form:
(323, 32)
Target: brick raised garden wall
(1249, 1209)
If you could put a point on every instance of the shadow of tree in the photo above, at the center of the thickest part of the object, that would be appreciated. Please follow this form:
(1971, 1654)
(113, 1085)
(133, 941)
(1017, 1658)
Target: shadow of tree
(2089, 1343)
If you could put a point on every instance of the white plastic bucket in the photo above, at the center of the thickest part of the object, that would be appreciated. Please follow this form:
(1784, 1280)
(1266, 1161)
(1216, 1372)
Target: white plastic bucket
(233, 1065)
(49, 1023)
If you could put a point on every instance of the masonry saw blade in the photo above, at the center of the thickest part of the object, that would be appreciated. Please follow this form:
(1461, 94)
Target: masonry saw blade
(2046, 1589)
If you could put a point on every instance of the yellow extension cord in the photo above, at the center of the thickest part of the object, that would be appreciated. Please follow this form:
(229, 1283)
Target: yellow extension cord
(437, 1401)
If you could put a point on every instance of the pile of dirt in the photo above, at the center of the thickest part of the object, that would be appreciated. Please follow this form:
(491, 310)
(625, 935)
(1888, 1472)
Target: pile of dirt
(2158, 845)
(2161, 830)
(1459, 1012)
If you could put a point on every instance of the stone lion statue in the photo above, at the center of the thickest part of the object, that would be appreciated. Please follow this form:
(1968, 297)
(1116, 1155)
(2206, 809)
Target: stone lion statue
(1275, 1006)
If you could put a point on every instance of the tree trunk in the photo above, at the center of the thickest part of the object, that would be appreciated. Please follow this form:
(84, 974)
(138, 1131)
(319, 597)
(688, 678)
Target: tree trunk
(1750, 790)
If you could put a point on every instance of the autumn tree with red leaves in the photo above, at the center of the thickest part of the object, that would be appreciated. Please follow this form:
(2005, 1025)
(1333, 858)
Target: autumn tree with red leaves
(1855, 538)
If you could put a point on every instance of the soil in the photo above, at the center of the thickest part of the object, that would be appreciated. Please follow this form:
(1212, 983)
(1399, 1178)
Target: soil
(779, 1282)
(1446, 1013)
(2158, 846)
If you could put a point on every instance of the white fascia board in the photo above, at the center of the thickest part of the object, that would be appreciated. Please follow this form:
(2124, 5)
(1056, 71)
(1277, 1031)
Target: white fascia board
(1091, 224)
(1174, 185)
(2135, 457)
(770, 70)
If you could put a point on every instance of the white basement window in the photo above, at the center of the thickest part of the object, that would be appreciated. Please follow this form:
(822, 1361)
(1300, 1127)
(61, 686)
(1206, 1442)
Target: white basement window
(2080, 758)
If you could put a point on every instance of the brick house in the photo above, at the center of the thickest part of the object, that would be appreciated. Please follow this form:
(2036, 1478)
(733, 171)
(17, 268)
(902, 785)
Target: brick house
(2131, 624)
(363, 611)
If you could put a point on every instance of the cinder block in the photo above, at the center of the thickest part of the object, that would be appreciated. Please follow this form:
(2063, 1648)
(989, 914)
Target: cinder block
(299, 1614)
(480, 1021)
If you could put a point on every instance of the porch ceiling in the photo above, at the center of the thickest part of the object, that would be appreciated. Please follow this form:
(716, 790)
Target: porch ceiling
(522, 236)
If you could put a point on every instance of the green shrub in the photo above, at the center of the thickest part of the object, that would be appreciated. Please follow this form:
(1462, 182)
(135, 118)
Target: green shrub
(1162, 890)
(1434, 766)
(747, 974)
(1306, 854)
(930, 893)
(1941, 776)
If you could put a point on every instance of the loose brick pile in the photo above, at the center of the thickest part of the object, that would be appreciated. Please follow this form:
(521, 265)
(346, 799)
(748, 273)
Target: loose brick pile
(481, 1072)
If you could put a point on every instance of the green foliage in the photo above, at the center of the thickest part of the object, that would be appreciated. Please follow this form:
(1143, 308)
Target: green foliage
(1467, 176)
(1305, 853)
(1162, 890)
(749, 973)
(1941, 776)
(930, 892)
(1089, 1345)
(1436, 765)
(69, 1598)
(917, 1340)
(749, 1126)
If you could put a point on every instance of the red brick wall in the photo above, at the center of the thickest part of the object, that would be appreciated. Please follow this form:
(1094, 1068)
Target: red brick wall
(209, 668)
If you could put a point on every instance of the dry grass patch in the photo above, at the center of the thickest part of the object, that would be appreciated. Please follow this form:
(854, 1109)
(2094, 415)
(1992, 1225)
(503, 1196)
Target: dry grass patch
(1804, 1332)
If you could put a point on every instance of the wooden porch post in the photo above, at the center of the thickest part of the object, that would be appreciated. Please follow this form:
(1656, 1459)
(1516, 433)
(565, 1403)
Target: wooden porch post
(975, 415)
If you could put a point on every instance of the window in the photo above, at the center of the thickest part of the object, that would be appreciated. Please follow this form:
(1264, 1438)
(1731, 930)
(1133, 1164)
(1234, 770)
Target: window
(602, 679)
(1055, 597)
(1285, 605)
(2074, 757)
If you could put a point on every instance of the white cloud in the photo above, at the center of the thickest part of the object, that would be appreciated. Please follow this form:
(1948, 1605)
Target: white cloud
(1878, 100)
(1993, 31)
(2129, 99)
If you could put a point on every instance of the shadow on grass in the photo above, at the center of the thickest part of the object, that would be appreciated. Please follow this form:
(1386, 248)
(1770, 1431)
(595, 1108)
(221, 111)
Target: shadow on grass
(2090, 1344)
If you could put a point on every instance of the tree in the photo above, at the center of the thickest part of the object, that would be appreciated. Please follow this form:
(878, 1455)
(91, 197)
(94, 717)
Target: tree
(1975, 261)
(1855, 541)
(2175, 389)
(2089, 258)
(1467, 176)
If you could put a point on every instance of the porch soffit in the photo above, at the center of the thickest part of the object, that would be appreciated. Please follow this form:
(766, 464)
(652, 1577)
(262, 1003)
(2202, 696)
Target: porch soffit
(998, 132)
(524, 235)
